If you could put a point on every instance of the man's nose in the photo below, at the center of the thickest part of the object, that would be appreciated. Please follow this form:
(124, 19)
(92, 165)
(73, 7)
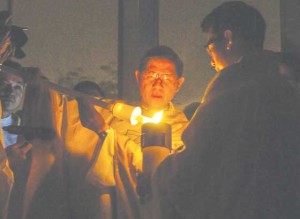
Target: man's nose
(158, 81)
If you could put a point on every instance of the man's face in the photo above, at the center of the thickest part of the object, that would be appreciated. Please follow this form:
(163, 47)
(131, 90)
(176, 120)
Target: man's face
(158, 83)
(216, 49)
(11, 93)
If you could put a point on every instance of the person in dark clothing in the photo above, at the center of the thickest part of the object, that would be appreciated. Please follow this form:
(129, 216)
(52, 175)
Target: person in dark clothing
(190, 109)
(12, 38)
(242, 155)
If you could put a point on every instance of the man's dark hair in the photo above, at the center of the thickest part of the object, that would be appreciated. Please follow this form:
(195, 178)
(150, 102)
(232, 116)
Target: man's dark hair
(13, 67)
(243, 20)
(162, 52)
(90, 88)
(13, 64)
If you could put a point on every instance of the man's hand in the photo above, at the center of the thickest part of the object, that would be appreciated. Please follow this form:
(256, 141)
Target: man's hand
(143, 187)
(17, 152)
(90, 118)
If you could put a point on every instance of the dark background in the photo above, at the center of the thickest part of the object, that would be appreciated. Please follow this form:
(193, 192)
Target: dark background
(102, 40)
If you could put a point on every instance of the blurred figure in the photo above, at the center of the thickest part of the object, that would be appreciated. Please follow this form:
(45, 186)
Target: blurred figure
(11, 95)
(17, 149)
(42, 192)
(119, 163)
(90, 88)
(8, 46)
(242, 155)
(12, 38)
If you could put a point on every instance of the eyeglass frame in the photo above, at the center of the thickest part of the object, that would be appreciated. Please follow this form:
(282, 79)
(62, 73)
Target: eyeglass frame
(153, 76)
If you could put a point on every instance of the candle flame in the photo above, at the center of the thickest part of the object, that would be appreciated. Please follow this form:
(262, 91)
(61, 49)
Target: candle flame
(134, 114)
(157, 117)
(137, 117)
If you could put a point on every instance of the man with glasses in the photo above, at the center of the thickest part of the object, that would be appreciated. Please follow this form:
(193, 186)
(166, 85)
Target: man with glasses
(242, 146)
(160, 77)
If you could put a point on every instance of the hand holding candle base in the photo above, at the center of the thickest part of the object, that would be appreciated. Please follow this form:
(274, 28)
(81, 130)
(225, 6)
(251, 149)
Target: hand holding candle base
(90, 118)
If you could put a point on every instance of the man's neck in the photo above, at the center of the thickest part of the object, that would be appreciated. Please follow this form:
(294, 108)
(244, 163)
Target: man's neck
(244, 51)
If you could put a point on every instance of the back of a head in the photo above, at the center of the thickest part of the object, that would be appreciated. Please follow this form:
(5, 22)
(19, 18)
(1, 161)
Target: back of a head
(243, 20)
(162, 52)
(90, 88)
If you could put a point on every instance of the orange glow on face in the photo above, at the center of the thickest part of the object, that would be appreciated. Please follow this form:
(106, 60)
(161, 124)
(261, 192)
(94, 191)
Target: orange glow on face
(216, 49)
(158, 83)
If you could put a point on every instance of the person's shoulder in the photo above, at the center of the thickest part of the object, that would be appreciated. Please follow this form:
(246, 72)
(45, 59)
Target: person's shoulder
(261, 54)
(190, 109)
(264, 60)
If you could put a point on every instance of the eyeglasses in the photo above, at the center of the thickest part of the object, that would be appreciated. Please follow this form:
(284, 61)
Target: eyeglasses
(212, 40)
(153, 76)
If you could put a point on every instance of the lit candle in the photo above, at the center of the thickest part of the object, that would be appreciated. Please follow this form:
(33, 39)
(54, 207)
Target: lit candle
(156, 144)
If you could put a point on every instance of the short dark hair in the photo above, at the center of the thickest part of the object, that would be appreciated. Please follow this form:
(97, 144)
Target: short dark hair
(90, 88)
(12, 64)
(13, 67)
(162, 52)
(243, 20)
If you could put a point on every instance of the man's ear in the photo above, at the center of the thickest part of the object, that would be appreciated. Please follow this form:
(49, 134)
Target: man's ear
(228, 35)
(179, 83)
(137, 76)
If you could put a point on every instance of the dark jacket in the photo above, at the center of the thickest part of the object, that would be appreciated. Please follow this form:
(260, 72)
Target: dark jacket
(242, 158)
